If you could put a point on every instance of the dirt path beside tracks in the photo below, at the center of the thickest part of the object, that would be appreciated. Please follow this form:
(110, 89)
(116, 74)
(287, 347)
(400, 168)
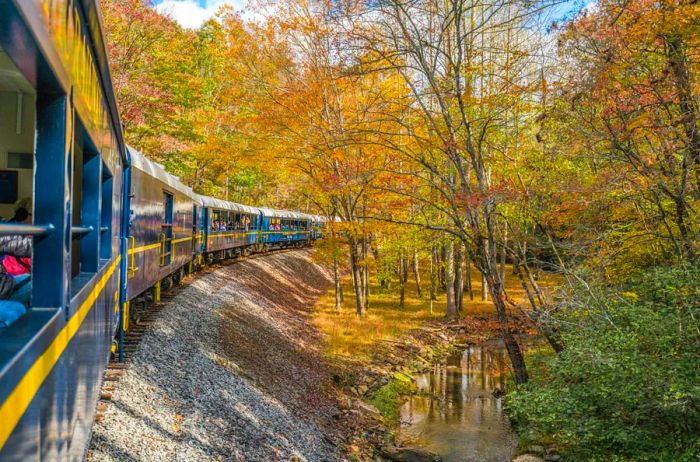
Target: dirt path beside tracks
(230, 371)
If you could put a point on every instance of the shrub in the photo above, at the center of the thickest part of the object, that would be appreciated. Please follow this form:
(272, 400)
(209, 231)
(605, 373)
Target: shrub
(627, 387)
(388, 398)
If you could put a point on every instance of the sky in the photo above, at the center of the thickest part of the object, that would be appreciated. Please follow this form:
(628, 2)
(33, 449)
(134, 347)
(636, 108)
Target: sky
(192, 13)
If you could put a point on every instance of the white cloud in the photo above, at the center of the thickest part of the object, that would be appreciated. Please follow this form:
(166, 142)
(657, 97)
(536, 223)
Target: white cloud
(190, 14)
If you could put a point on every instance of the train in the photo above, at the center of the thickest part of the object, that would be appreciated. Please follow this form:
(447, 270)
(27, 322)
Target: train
(110, 229)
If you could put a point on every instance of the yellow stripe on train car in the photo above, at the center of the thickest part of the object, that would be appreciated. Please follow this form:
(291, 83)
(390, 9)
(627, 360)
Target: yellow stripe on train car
(157, 245)
(21, 397)
(143, 248)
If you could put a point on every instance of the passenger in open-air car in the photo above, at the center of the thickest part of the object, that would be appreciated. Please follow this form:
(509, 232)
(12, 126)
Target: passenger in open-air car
(15, 268)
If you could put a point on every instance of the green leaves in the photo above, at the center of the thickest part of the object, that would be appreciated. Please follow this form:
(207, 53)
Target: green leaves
(627, 386)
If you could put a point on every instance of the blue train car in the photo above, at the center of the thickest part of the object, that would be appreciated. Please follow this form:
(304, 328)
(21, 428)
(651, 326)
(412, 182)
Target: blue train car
(230, 229)
(160, 234)
(61, 149)
(282, 228)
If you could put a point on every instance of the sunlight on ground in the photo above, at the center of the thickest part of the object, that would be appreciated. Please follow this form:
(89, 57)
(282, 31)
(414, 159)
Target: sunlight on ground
(349, 335)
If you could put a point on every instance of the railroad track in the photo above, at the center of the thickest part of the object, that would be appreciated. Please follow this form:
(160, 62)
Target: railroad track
(134, 336)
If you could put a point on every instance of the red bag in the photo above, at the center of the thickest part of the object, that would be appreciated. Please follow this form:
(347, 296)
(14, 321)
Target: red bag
(17, 266)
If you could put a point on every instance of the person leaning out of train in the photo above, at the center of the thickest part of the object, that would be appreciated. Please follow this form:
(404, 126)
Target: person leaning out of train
(15, 268)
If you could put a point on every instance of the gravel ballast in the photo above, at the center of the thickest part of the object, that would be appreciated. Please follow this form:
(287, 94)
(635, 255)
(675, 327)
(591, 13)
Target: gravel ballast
(230, 371)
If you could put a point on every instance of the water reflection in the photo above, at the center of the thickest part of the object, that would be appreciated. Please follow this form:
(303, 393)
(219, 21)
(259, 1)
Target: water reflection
(457, 415)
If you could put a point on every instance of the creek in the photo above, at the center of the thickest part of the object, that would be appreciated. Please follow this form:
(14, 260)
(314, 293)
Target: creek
(456, 413)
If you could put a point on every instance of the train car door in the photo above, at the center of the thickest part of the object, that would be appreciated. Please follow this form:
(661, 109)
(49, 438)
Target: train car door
(195, 230)
(167, 234)
(206, 227)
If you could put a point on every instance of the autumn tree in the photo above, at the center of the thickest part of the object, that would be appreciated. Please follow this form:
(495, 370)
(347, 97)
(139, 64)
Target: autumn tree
(631, 103)
(469, 67)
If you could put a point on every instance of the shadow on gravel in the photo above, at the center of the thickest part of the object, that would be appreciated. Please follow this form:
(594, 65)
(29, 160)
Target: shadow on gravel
(277, 347)
(106, 445)
(230, 371)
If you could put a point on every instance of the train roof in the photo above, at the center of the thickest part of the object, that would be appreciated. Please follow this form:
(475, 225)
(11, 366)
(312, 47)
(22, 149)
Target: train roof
(274, 213)
(156, 170)
(213, 202)
(93, 17)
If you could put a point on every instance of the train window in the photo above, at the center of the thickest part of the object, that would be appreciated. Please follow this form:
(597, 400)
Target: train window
(17, 142)
(215, 220)
(167, 233)
(106, 214)
(87, 182)
(20, 160)
(17, 111)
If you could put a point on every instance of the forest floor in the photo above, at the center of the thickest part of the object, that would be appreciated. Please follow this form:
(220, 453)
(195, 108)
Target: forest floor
(350, 337)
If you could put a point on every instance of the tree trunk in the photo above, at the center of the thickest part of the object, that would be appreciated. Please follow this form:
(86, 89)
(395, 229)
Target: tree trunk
(470, 287)
(450, 280)
(338, 287)
(507, 331)
(433, 274)
(681, 213)
(416, 273)
(678, 60)
(488, 255)
(503, 255)
(459, 278)
(357, 276)
(402, 278)
(484, 288)
(365, 271)
(442, 258)
(551, 334)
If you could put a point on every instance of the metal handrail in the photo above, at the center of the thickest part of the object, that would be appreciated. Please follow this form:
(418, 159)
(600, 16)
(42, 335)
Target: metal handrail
(162, 249)
(133, 267)
(80, 231)
(21, 229)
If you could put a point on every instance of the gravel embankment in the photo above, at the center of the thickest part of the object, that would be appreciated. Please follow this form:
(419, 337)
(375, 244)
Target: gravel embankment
(231, 371)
